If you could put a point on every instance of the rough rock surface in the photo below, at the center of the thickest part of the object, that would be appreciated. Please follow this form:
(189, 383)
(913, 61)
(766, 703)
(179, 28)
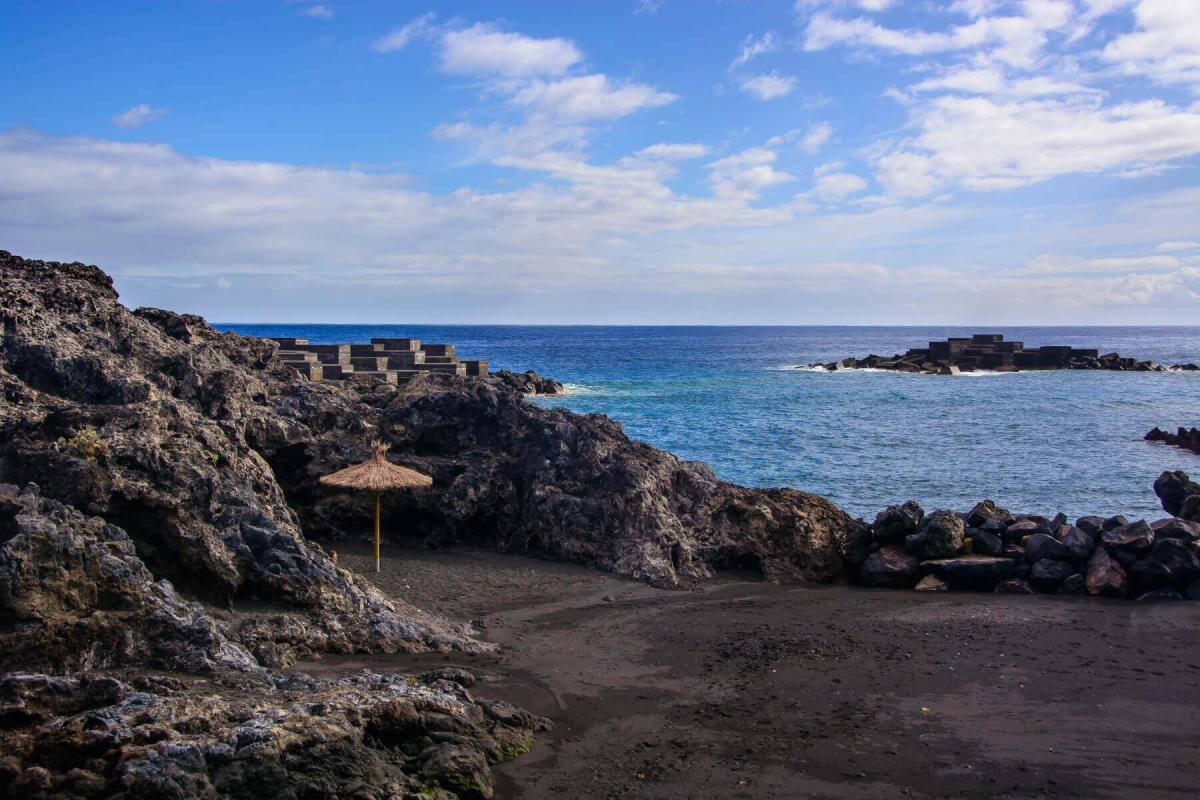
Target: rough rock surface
(365, 736)
(1180, 495)
(940, 536)
(528, 382)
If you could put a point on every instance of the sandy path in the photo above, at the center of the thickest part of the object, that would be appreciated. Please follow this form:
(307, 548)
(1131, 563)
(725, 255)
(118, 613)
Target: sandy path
(759, 691)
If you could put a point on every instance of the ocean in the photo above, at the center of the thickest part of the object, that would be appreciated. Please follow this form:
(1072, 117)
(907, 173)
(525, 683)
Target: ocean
(1038, 442)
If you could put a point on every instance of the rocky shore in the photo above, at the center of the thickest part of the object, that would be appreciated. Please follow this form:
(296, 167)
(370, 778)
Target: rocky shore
(159, 512)
(1187, 438)
(989, 351)
(992, 550)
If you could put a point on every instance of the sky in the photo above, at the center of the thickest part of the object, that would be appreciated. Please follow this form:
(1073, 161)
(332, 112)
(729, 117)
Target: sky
(619, 162)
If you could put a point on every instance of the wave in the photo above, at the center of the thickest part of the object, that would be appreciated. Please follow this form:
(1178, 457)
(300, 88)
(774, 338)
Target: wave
(980, 373)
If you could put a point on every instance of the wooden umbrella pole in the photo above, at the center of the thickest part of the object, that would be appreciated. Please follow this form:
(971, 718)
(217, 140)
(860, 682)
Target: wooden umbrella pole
(377, 531)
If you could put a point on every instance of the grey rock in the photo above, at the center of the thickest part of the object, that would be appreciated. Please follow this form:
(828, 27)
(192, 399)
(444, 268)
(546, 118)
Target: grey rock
(940, 536)
(1044, 546)
(895, 523)
(890, 567)
(978, 573)
(1047, 574)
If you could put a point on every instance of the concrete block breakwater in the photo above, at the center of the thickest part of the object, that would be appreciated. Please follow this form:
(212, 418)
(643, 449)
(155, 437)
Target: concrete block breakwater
(989, 351)
(387, 359)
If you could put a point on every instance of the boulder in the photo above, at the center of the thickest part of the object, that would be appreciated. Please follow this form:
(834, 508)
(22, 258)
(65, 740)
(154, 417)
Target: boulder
(1019, 530)
(1175, 528)
(940, 536)
(1014, 586)
(1178, 556)
(1074, 584)
(1192, 591)
(1148, 573)
(985, 542)
(1090, 524)
(1105, 576)
(1043, 546)
(1079, 544)
(1114, 522)
(932, 583)
(1173, 489)
(1134, 536)
(985, 511)
(977, 573)
(895, 523)
(1047, 574)
(890, 567)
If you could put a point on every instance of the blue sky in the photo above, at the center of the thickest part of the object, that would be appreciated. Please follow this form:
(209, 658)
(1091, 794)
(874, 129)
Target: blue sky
(820, 161)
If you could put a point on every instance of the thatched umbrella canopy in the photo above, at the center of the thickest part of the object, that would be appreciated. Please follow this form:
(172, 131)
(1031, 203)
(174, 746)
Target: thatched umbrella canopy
(377, 475)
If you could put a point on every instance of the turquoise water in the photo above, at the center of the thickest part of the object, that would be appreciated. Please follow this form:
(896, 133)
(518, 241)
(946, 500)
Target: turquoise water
(1034, 441)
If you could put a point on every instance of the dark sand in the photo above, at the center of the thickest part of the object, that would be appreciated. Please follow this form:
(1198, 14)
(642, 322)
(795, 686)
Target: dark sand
(748, 690)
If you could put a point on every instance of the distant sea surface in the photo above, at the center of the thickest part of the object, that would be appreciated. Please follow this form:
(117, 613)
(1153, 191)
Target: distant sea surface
(1038, 442)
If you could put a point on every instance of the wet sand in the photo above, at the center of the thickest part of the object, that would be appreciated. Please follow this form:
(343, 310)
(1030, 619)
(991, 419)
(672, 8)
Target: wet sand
(750, 690)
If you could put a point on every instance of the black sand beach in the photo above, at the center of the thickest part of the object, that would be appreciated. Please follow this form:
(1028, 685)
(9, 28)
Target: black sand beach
(745, 689)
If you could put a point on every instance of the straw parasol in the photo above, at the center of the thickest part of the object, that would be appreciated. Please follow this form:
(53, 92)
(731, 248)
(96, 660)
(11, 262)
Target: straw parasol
(377, 475)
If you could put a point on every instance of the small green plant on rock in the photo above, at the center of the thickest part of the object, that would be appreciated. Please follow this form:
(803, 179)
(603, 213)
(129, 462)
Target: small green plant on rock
(89, 442)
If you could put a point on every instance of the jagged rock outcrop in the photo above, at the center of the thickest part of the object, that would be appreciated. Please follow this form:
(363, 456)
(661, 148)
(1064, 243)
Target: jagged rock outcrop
(366, 736)
(1187, 438)
(527, 382)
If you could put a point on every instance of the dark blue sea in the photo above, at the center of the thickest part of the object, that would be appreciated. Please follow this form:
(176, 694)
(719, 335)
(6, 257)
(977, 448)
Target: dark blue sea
(1039, 442)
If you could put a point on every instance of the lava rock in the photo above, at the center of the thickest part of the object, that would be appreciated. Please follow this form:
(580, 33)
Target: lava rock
(1042, 546)
(1105, 576)
(986, 511)
(1074, 584)
(1047, 574)
(977, 573)
(1175, 528)
(932, 583)
(985, 542)
(1134, 536)
(1079, 544)
(895, 523)
(1023, 528)
(1173, 490)
(1147, 572)
(940, 536)
(1090, 524)
(1177, 556)
(1114, 522)
(890, 567)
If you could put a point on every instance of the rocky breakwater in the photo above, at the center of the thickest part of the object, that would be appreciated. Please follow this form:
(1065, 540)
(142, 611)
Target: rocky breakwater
(158, 503)
(1187, 438)
(989, 351)
(990, 549)
(528, 382)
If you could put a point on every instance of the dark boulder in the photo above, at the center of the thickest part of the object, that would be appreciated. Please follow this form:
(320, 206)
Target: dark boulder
(1178, 556)
(1079, 544)
(528, 382)
(1091, 524)
(985, 542)
(940, 536)
(1022, 528)
(985, 511)
(1074, 584)
(1116, 521)
(890, 567)
(977, 573)
(1149, 573)
(1105, 576)
(895, 523)
(1042, 546)
(1048, 574)
(1173, 489)
(1135, 537)
(1176, 528)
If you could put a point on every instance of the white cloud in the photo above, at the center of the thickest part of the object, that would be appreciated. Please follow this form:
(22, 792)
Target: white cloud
(319, 11)
(752, 47)
(647, 6)
(747, 174)
(832, 184)
(138, 115)
(589, 98)
(770, 86)
(674, 152)
(992, 80)
(1174, 247)
(224, 283)
(817, 137)
(484, 50)
(982, 143)
(401, 37)
(1166, 44)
